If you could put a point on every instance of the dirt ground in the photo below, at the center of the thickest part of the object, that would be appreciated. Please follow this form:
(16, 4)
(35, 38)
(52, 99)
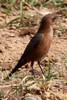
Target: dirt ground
(13, 43)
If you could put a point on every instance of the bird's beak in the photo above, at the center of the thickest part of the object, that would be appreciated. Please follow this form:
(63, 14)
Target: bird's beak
(59, 15)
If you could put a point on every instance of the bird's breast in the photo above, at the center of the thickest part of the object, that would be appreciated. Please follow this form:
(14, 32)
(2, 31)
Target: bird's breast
(43, 47)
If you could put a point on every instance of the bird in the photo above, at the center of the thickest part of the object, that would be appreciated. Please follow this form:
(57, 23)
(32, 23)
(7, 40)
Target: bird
(39, 45)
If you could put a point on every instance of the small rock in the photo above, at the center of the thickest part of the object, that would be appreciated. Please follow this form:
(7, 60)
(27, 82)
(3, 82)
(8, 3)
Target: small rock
(38, 97)
(34, 87)
(31, 97)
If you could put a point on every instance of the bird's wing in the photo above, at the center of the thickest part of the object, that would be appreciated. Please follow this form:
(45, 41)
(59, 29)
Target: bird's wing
(29, 49)
(32, 45)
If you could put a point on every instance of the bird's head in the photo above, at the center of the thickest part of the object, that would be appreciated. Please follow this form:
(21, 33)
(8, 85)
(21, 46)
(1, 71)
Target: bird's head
(47, 22)
(49, 18)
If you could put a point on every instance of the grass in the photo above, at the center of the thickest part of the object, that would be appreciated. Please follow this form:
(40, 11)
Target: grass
(28, 84)
(1, 94)
(63, 29)
(54, 3)
(21, 85)
(9, 5)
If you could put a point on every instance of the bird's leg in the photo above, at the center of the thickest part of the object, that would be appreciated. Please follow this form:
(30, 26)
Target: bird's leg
(41, 70)
(32, 63)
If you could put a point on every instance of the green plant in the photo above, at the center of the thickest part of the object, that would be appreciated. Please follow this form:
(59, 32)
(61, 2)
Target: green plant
(55, 3)
(1, 94)
(58, 3)
(7, 6)
(63, 29)
(21, 11)
(31, 1)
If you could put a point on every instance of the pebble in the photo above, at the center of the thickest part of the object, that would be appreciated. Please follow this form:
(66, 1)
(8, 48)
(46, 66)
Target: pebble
(31, 97)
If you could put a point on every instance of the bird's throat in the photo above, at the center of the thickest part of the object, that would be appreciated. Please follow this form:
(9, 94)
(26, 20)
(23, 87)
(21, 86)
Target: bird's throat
(46, 29)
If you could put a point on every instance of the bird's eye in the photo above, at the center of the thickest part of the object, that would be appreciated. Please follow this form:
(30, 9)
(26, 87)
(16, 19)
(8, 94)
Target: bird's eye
(54, 18)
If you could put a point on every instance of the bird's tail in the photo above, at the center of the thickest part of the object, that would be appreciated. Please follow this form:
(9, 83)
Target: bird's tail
(19, 64)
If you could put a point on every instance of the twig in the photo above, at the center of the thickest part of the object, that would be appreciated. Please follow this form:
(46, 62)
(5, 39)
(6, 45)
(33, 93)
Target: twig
(32, 7)
(13, 20)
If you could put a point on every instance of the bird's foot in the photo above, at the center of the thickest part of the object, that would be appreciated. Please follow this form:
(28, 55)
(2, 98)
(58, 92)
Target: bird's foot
(6, 78)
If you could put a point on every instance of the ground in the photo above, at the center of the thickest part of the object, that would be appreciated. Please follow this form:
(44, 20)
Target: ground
(12, 45)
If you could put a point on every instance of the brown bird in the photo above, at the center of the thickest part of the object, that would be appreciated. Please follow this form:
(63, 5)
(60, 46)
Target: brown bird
(39, 45)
